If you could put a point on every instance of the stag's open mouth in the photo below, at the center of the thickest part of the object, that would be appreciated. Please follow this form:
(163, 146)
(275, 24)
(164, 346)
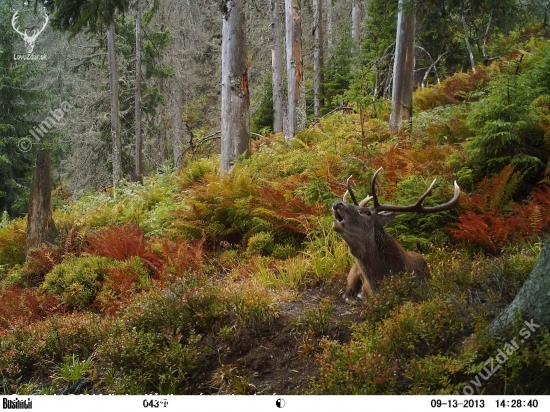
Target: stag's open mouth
(338, 225)
(337, 215)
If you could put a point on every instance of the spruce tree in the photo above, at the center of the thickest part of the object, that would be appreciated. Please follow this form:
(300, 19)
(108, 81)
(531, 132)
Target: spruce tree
(18, 105)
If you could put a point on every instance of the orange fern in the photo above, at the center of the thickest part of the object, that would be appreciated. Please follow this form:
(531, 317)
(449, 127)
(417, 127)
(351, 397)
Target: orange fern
(492, 230)
(122, 243)
(42, 260)
(22, 306)
(118, 287)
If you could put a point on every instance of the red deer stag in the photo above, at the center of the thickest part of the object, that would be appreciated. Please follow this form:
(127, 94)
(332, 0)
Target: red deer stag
(376, 253)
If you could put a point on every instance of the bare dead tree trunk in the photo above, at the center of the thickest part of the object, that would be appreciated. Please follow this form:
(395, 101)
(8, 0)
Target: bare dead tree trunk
(467, 41)
(403, 67)
(486, 36)
(139, 141)
(277, 56)
(294, 63)
(40, 224)
(235, 133)
(318, 99)
(115, 106)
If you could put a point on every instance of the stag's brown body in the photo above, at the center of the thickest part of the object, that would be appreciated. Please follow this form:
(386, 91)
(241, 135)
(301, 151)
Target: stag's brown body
(377, 255)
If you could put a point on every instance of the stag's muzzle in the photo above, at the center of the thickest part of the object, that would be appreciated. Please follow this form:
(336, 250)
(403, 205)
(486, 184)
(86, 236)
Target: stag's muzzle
(338, 225)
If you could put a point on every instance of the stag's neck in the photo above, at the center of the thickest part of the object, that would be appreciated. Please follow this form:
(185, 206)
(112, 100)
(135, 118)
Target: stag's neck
(379, 256)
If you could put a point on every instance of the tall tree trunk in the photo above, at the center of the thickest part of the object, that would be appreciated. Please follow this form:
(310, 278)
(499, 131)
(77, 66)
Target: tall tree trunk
(235, 127)
(533, 299)
(403, 67)
(139, 142)
(277, 56)
(115, 106)
(329, 34)
(163, 143)
(40, 224)
(485, 38)
(177, 145)
(294, 63)
(467, 41)
(356, 20)
(318, 99)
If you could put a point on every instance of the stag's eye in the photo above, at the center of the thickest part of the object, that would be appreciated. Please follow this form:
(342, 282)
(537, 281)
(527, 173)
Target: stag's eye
(365, 212)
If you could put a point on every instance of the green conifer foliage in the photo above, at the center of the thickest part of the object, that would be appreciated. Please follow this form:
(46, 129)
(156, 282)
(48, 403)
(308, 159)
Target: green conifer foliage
(17, 106)
(506, 128)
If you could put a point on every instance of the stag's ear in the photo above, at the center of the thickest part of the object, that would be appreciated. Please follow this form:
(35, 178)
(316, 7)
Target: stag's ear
(386, 218)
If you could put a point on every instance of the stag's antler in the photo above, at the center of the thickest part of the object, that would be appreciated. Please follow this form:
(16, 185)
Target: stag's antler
(362, 203)
(417, 207)
(350, 192)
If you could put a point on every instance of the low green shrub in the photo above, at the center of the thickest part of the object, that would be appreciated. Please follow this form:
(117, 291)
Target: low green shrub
(374, 361)
(260, 244)
(33, 349)
(77, 280)
(150, 362)
(182, 307)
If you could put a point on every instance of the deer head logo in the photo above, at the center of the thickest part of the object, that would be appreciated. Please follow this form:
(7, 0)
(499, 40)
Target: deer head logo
(29, 40)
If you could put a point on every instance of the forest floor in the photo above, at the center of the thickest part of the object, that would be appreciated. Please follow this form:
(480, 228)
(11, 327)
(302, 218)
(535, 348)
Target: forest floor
(283, 359)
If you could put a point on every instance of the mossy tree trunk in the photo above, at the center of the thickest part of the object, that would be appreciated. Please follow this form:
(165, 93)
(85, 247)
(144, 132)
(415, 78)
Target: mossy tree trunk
(40, 224)
(533, 299)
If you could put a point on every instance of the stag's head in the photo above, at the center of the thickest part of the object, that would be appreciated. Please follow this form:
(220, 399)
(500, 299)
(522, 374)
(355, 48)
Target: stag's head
(361, 225)
(29, 40)
(356, 222)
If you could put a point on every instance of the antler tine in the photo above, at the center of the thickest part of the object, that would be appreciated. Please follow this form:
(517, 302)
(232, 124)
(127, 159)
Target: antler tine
(350, 192)
(376, 204)
(426, 193)
(366, 200)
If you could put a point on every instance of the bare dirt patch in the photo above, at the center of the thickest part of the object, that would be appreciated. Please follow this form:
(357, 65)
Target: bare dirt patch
(283, 359)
